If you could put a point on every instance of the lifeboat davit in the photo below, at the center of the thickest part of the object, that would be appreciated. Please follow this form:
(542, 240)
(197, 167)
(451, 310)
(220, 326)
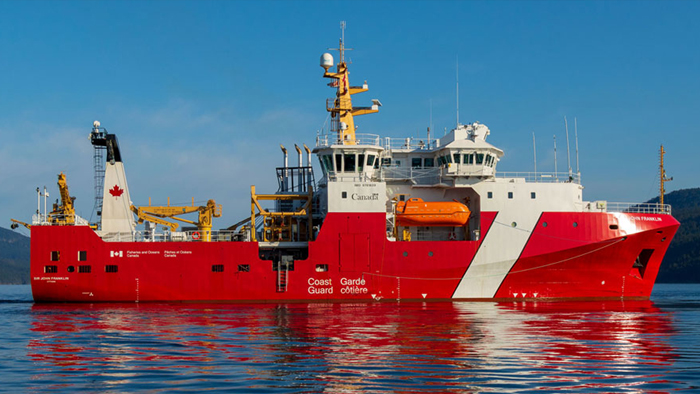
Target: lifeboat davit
(416, 212)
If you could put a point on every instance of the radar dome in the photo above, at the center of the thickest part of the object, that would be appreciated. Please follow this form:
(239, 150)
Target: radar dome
(326, 61)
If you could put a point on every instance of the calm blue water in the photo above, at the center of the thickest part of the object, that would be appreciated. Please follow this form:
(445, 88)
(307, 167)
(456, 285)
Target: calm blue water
(651, 346)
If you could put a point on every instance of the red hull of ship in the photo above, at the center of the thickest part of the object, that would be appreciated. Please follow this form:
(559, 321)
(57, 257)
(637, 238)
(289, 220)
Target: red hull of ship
(590, 261)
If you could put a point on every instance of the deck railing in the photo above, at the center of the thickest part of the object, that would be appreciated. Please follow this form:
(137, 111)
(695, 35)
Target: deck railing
(628, 207)
(542, 177)
(333, 138)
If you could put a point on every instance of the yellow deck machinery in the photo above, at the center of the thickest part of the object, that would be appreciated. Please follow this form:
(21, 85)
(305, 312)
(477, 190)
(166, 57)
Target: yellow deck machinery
(290, 226)
(158, 214)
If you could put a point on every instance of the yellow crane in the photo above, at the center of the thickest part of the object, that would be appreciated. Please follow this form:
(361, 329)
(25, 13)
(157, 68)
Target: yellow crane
(63, 214)
(157, 214)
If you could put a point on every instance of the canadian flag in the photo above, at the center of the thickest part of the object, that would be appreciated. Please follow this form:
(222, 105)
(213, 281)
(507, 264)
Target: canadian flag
(114, 253)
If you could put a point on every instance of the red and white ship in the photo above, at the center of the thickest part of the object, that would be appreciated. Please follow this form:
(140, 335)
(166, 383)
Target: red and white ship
(389, 220)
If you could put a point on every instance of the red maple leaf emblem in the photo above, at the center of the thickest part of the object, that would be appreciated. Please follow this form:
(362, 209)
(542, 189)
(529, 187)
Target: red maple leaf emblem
(116, 191)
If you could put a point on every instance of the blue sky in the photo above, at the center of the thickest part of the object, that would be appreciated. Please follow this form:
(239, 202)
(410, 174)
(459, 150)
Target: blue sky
(201, 94)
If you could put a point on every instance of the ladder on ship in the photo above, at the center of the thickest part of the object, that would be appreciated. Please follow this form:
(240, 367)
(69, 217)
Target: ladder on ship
(283, 273)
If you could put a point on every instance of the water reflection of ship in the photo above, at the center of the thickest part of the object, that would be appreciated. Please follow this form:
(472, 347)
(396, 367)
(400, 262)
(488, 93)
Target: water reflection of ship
(349, 346)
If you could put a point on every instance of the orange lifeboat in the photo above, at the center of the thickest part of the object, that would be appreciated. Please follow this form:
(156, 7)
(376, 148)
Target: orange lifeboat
(416, 212)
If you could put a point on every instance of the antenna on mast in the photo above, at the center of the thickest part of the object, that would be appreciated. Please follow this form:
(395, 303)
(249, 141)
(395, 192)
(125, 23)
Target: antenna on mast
(568, 151)
(430, 124)
(578, 171)
(342, 40)
(457, 72)
(534, 152)
(555, 157)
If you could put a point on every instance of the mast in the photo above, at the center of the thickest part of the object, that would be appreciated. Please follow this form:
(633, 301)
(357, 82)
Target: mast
(342, 111)
(578, 171)
(457, 72)
(568, 151)
(662, 177)
(555, 156)
(534, 152)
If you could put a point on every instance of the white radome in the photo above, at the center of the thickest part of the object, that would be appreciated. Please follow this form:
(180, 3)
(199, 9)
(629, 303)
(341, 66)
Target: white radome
(96, 123)
(326, 61)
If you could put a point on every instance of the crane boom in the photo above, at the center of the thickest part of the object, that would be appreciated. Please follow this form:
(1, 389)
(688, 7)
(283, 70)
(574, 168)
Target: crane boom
(157, 214)
(63, 214)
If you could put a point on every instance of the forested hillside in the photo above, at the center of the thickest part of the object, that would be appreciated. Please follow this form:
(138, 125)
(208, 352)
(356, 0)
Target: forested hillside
(14, 257)
(682, 261)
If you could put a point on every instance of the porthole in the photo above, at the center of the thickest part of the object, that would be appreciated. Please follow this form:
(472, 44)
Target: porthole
(575, 224)
(663, 239)
(405, 254)
(514, 224)
(544, 224)
(430, 254)
(71, 268)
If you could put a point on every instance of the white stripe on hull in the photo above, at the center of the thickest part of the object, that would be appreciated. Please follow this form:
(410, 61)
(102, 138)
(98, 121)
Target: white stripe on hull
(497, 254)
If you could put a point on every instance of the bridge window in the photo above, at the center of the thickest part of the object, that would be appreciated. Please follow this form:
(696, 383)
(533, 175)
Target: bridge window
(429, 162)
(456, 157)
(349, 163)
(370, 160)
(448, 159)
(55, 255)
(360, 162)
(327, 163)
(338, 162)
(479, 158)
(416, 162)
(386, 161)
(82, 255)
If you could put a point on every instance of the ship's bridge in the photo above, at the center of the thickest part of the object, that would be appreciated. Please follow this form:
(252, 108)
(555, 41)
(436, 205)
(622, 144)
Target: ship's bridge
(465, 152)
(341, 161)
(462, 153)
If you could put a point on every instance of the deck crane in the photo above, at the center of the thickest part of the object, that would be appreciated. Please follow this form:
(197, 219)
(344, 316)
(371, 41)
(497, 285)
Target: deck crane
(157, 214)
(63, 214)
